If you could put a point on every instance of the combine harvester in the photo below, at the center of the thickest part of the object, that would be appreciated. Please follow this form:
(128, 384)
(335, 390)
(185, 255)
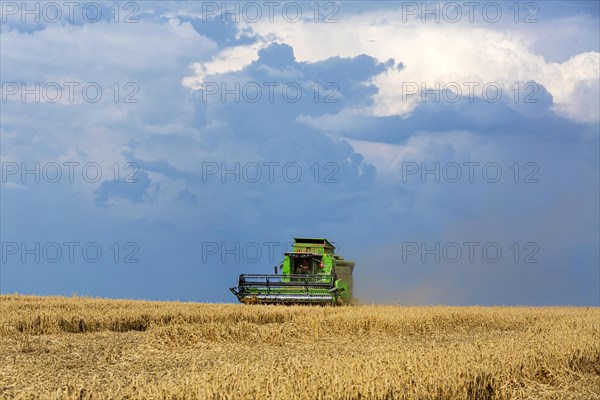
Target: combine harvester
(310, 274)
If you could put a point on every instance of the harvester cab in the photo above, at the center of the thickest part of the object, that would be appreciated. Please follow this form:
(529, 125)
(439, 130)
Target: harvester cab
(310, 274)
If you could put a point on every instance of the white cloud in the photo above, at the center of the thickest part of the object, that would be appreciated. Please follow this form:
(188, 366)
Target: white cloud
(575, 85)
(434, 53)
(231, 59)
(154, 56)
(93, 51)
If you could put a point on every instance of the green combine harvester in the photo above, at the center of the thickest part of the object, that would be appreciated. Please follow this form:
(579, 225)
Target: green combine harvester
(310, 274)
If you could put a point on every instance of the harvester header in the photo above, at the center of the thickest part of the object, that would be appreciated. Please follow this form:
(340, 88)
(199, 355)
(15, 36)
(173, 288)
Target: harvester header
(310, 274)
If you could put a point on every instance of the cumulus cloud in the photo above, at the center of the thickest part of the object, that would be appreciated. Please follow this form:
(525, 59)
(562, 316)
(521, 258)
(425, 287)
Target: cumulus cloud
(446, 53)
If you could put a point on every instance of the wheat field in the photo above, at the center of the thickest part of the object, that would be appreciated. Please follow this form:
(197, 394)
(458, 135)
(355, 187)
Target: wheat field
(84, 348)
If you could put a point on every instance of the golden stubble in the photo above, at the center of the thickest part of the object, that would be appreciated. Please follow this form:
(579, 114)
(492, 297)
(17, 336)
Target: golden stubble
(84, 348)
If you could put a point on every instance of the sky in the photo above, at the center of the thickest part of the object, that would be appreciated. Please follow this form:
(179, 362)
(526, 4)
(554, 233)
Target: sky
(157, 150)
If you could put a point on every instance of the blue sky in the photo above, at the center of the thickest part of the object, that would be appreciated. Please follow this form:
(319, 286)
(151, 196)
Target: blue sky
(413, 144)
